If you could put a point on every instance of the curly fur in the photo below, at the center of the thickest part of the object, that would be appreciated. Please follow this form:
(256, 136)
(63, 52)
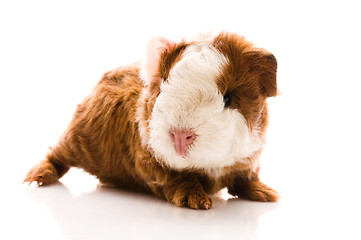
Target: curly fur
(119, 133)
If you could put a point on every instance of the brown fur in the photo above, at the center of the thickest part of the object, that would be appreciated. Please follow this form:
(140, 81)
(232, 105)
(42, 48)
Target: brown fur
(103, 136)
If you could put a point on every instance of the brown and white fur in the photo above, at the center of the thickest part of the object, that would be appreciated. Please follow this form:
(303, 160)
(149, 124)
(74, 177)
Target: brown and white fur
(183, 124)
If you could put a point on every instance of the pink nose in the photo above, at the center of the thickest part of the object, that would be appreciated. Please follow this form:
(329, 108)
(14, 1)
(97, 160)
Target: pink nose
(182, 140)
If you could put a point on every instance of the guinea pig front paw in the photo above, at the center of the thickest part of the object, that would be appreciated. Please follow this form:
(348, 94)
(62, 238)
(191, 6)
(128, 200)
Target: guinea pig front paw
(192, 198)
(262, 193)
(255, 191)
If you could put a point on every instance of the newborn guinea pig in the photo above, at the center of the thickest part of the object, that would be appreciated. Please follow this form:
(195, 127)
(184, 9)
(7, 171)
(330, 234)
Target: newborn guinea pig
(186, 122)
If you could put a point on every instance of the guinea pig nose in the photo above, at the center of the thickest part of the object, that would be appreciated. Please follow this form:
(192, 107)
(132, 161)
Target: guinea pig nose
(182, 140)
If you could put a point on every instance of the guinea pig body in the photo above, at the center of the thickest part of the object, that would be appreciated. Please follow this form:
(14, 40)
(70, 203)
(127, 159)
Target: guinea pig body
(186, 123)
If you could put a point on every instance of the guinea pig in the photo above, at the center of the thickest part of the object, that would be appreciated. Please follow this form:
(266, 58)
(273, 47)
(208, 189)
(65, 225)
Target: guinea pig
(184, 123)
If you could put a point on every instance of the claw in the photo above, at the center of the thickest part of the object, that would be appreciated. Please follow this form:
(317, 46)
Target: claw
(30, 181)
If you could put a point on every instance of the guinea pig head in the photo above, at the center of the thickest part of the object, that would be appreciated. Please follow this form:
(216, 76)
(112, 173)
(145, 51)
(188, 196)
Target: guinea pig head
(204, 102)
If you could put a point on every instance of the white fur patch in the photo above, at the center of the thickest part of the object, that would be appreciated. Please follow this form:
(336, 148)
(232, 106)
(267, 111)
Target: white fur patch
(190, 100)
(142, 124)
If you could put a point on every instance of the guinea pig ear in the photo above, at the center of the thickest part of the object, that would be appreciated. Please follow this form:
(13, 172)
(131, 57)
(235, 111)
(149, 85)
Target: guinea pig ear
(268, 78)
(156, 47)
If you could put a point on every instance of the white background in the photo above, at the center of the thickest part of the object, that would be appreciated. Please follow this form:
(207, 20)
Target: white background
(52, 53)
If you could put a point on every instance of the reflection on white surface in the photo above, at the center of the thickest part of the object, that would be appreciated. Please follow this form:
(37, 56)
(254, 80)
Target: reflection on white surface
(107, 213)
(79, 208)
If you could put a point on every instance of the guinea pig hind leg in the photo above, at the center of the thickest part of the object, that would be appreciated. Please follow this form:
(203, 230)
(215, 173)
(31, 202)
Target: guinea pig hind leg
(45, 173)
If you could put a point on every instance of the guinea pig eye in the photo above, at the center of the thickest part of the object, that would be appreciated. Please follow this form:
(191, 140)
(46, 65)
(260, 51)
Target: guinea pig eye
(227, 99)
